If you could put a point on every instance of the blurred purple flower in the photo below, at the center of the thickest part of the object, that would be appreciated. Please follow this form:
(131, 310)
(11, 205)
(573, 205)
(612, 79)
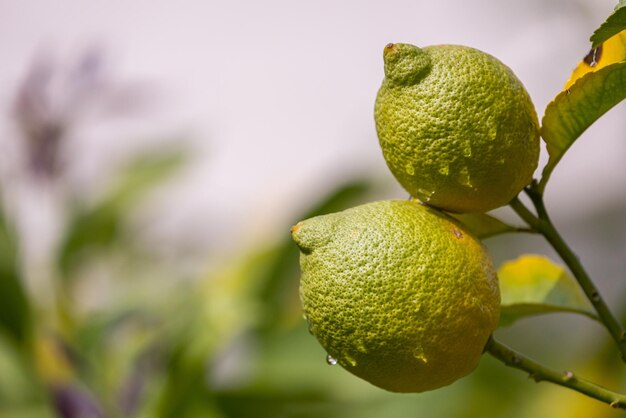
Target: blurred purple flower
(51, 102)
(72, 402)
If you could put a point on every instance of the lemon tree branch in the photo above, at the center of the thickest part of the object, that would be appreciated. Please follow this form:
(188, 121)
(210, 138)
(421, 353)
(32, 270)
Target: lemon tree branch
(542, 224)
(541, 373)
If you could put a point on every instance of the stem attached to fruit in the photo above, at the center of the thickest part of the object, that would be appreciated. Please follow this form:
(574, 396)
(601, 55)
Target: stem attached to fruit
(540, 373)
(542, 224)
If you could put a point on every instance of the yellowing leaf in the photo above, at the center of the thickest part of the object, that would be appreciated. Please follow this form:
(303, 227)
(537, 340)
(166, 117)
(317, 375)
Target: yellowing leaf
(51, 363)
(609, 52)
(575, 109)
(483, 225)
(596, 85)
(533, 285)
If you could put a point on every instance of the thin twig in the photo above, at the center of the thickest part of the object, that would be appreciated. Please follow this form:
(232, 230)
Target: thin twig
(566, 379)
(542, 224)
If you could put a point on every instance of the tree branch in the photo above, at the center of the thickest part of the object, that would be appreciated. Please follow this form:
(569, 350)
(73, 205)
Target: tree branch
(542, 224)
(566, 379)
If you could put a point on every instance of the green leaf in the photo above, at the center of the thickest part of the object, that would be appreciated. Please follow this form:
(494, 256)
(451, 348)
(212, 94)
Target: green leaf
(279, 269)
(575, 109)
(483, 225)
(614, 24)
(144, 173)
(15, 315)
(99, 226)
(534, 285)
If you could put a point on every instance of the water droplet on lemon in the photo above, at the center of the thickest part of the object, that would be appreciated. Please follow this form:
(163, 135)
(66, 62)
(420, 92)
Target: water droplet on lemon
(410, 170)
(419, 354)
(464, 178)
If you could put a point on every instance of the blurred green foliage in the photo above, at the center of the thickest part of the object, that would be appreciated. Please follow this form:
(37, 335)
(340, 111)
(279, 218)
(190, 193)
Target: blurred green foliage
(14, 310)
(231, 343)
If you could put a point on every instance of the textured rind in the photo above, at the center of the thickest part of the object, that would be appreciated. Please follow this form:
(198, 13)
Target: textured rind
(465, 137)
(400, 294)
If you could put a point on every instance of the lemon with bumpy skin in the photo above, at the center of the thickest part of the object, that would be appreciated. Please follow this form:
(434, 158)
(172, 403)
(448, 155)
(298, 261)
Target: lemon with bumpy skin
(398, 293)
(457, 128)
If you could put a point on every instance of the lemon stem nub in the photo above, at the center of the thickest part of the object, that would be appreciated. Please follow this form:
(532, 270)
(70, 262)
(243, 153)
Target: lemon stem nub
(405, 64)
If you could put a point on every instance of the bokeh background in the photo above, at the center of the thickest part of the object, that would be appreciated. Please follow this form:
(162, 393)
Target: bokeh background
(154, 154)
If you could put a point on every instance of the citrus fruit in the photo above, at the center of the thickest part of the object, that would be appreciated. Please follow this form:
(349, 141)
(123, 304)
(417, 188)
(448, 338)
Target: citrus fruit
(457, 128)
(397, 293)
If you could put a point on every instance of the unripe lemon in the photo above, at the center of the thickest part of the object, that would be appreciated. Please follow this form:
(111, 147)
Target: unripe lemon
(398, 293)
(456, 126)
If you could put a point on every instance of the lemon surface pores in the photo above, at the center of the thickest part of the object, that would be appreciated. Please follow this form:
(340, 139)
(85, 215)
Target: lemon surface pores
(398, 293)
(456, 127)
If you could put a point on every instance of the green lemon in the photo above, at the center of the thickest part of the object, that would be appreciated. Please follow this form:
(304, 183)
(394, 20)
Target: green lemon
(456, 126)
(397, 293)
